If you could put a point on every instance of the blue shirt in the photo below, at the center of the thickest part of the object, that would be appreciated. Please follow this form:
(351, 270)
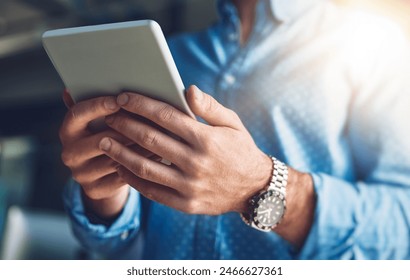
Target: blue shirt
(322, 88)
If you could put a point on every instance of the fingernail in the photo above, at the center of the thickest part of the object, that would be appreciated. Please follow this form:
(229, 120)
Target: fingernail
(122, 99)
(110, 104)
(105, 144)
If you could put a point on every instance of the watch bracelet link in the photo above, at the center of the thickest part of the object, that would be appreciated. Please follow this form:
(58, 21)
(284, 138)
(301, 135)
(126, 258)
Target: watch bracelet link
(278, 182)
(279, 178)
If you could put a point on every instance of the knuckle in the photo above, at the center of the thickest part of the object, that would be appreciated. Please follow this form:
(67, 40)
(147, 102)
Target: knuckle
(209, 142)
(136, 102)
(195, 173)
(165, 113)
(197, 169)
(121, 124)
(115, 152)
(196, 134)
(141, 169)
(149, 138)
(195, 189)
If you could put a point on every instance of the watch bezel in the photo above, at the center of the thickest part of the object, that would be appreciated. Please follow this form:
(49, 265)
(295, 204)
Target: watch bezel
(256, 202)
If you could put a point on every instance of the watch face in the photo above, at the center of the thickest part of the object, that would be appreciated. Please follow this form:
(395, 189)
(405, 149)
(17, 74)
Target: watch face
(270, 209)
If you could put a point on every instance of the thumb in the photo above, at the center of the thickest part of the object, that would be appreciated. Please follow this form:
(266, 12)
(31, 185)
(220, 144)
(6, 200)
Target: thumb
(206, 107)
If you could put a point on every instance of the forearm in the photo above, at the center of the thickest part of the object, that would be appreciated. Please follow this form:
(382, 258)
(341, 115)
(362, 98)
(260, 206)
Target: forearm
(301, 203)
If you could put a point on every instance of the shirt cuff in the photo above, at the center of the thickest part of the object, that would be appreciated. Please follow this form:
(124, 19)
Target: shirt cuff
(99, 237)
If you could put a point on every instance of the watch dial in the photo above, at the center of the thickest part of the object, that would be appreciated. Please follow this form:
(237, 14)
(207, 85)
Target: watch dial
(270, 210)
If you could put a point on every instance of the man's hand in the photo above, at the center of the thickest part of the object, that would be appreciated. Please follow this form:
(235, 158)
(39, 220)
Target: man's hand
(215, 167)
(104, 191)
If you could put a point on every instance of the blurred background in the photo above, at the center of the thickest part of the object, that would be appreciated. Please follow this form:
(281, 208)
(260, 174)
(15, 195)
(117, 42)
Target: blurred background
(32, 220)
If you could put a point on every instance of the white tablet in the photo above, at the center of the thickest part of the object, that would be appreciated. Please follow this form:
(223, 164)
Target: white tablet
(109, 59)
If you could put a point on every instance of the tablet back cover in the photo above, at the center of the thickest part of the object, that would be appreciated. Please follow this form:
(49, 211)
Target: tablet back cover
(111, 58)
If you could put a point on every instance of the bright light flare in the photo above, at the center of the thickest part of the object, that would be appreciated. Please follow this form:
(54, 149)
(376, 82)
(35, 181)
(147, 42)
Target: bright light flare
(370, 38)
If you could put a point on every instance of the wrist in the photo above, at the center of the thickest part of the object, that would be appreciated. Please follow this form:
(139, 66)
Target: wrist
(105, 209)
(260, 179)
(301, 203)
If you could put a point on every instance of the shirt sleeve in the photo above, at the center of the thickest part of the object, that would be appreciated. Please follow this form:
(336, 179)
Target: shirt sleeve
(113, 241)
(369, 217)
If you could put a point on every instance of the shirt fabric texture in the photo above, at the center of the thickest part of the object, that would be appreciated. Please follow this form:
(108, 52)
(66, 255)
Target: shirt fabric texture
(325, 90)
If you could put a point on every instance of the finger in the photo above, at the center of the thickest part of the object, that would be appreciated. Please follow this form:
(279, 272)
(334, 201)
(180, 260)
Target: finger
(68, 100)
(99, 167)
(142, 167)
(94, 169)
(206, 107)
(88, 147)
(160, 113)
(106, 186)
(150, 138)
(79, 116)
(153, 191)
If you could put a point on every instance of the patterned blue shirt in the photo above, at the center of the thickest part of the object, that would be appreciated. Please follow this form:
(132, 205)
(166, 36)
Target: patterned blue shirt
(322, 88)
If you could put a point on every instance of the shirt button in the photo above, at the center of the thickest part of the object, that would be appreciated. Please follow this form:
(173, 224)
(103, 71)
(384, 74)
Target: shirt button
(124, 235)
(229, 79)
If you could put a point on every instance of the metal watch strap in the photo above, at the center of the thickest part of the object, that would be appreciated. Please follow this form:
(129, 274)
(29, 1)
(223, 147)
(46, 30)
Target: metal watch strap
(279, 178)
(278, 182)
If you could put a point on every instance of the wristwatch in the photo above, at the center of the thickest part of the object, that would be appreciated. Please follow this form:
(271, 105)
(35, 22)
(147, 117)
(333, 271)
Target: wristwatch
(267, 207)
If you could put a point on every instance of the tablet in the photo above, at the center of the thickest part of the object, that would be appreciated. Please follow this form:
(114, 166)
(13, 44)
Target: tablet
(112, 58)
